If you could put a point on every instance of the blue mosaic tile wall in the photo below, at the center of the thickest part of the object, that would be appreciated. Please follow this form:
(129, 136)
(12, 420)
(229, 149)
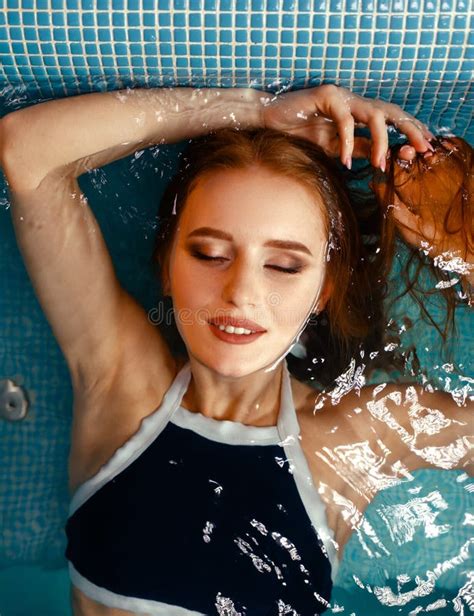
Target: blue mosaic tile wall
(417, 53)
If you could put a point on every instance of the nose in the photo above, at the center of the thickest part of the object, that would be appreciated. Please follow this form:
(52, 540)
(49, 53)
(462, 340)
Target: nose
(241, 284)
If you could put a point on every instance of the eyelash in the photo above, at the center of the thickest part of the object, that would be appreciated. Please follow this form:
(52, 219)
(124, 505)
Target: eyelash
(283, 270)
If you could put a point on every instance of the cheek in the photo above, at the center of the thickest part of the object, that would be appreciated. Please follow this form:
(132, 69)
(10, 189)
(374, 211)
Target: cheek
(291, 308)
(181, 281)
(191, 287)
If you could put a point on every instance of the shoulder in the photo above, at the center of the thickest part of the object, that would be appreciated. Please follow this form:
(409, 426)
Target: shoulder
(427, 428)
(346, 417)
(416, 428)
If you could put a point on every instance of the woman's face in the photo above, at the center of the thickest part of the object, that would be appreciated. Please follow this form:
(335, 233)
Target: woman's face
(230, 269)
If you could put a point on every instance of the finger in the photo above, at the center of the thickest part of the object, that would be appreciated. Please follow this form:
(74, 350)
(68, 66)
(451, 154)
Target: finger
(427, 134)
(407, 152)
(412, 129)
(424, 130)
(345, 129)
(397, 115)
(378, 129)
(342, 117)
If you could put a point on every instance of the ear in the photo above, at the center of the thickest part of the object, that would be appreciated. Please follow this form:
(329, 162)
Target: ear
(326, 293)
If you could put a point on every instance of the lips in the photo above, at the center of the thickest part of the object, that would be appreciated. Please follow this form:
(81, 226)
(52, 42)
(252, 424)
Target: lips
(236, 322)
(234, 338)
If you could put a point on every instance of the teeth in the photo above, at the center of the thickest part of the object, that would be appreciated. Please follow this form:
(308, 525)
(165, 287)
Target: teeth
(235, 330)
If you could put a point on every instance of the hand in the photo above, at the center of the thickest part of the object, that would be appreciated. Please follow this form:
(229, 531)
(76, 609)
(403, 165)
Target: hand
(327, 115)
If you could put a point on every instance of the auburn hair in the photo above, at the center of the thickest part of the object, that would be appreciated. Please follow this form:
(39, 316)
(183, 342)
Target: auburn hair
(441, 193)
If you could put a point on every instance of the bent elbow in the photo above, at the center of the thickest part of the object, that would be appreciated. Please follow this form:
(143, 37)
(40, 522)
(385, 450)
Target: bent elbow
(19, 155)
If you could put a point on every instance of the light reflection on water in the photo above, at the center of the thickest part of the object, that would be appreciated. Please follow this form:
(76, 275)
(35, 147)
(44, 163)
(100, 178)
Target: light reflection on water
(416, 521)
(419, 546)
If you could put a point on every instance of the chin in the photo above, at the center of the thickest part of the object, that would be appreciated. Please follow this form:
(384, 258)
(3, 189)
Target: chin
(234, 367)
(235, 361)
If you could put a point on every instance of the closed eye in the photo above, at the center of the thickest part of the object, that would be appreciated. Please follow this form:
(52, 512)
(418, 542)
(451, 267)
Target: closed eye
(285, 270)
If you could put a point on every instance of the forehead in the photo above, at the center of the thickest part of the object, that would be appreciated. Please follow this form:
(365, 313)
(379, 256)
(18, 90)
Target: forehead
(255, 202)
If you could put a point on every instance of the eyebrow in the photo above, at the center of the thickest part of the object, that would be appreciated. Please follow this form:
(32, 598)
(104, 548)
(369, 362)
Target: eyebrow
(222, 235)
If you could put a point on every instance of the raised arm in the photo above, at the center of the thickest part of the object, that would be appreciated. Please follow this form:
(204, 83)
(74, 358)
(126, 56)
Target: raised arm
(76, 134)
(44, 148)
(80, 133)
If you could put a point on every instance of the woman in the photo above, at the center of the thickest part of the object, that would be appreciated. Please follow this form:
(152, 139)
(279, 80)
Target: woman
(192, 491)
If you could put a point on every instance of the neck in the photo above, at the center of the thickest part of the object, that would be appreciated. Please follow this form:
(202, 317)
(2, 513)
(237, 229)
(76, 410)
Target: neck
(252, 400)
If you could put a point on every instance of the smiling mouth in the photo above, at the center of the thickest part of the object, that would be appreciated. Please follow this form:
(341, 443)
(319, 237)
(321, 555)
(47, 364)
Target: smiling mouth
(234, 338)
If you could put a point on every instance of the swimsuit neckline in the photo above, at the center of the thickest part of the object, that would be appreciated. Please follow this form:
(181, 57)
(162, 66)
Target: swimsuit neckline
(226, 430)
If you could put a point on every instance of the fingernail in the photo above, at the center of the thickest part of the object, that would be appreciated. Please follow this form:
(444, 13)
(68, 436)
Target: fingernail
(348, 162)
(430, 147)
(382, 163)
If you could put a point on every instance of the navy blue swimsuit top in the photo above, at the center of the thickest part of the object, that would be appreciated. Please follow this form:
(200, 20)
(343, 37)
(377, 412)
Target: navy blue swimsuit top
(196, 516)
